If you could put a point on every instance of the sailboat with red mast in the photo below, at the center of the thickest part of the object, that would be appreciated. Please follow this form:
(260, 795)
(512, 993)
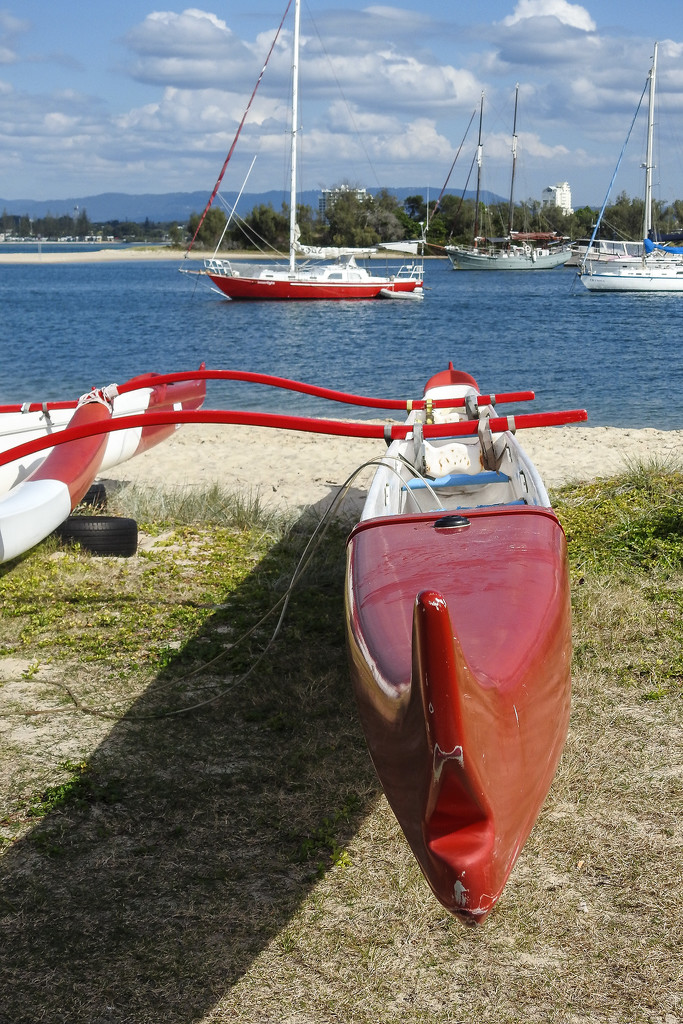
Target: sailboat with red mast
(313, 273)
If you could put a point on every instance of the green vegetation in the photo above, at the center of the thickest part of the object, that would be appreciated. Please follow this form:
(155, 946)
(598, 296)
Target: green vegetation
(354, 221)
(349, 221)
(358, 222)
(236, 861)
(454, 220)
(80, 788)
(79, 227)
(629, 524)
(626, 547)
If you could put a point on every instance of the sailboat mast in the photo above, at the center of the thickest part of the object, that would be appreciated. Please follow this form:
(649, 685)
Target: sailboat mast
(479, 155)
(647, 212)
(295, 128)
(514, 164)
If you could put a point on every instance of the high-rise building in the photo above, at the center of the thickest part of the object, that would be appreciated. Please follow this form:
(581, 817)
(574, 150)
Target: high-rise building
(558, 195)
(330, 195)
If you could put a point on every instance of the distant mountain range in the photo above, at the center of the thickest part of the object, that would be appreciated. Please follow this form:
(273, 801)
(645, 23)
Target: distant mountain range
(178, 206)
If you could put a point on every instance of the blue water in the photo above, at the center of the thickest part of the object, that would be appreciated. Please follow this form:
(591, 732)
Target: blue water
(50, 247)
(68, 327)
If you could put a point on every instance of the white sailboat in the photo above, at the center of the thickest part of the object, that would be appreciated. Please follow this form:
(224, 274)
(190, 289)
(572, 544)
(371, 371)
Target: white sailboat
(518, 250)
(309, 278)
(604, 250)
(660, 268)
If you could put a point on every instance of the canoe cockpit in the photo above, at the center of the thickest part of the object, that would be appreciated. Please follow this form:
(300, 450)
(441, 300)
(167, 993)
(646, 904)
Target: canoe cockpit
(446, 473)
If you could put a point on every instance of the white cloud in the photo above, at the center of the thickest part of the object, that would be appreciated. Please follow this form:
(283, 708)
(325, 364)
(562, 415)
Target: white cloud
(399, 81)
(392, 14)
(567, 13)
(10, 28)
(194, 49)
(189, 33)
(161, 113)
(198, 113)
(60, 125)
(407, 144)
(533, 146)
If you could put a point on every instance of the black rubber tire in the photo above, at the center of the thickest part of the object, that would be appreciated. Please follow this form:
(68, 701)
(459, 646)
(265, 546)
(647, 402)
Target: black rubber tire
(101, 535)
(96, 496)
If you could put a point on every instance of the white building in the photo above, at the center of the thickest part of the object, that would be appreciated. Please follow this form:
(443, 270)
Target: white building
(558, 195)
(330, 195)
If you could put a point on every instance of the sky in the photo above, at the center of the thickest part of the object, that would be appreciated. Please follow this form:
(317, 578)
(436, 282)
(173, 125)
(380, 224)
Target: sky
(145, 96)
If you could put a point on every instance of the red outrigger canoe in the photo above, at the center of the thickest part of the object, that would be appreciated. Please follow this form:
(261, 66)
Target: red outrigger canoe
(459, 637)
(457, 609)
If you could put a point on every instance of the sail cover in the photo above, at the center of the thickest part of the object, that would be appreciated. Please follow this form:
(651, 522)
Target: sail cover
(651, 246)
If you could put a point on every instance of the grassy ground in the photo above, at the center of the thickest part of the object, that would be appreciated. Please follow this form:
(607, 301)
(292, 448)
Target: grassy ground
(238, 862)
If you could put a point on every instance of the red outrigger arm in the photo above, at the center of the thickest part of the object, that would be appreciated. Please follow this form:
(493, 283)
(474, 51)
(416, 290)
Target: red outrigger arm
(285, 383)
(344, 397)
(344, 428)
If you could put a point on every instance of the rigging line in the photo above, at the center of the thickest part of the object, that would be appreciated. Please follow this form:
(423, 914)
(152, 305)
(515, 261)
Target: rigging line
(250, 233)
(469, 175)
(616, 169)
(464, 191)
(311, 546)
(343, 96)
(616, 230)
(232, 211)
(237, 133)
(448, 176)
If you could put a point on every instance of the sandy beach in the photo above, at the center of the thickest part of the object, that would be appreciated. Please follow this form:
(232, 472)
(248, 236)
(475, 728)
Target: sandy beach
(103, 255)
(126, 255)
(294, 470)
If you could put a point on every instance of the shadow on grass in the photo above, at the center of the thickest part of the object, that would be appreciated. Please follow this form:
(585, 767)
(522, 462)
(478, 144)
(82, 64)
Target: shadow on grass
(192, 840)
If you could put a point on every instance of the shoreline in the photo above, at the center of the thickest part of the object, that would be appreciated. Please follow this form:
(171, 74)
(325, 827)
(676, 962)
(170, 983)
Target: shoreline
(105, 255)
(289, 469)
(143, 253)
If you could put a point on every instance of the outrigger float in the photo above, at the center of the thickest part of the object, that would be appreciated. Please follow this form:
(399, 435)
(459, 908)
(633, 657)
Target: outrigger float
(458, 616)
(40, 486)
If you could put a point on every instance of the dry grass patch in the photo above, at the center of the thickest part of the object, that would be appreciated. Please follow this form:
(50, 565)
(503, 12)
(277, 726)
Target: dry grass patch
(239, 862)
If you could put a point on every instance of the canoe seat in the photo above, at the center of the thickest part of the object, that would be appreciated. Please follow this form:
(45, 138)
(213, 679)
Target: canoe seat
(498, 504)
(459, 480)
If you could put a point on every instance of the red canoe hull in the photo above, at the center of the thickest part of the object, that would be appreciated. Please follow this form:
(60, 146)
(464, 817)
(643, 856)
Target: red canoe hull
(460, 646)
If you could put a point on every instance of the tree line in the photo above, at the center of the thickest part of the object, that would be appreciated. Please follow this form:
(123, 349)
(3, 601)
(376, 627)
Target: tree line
(359, 222)
(79, 225)
(352, 221)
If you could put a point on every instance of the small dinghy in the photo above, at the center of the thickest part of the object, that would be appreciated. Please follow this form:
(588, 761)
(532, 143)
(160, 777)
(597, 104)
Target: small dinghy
(391, 293)
(459, 639)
